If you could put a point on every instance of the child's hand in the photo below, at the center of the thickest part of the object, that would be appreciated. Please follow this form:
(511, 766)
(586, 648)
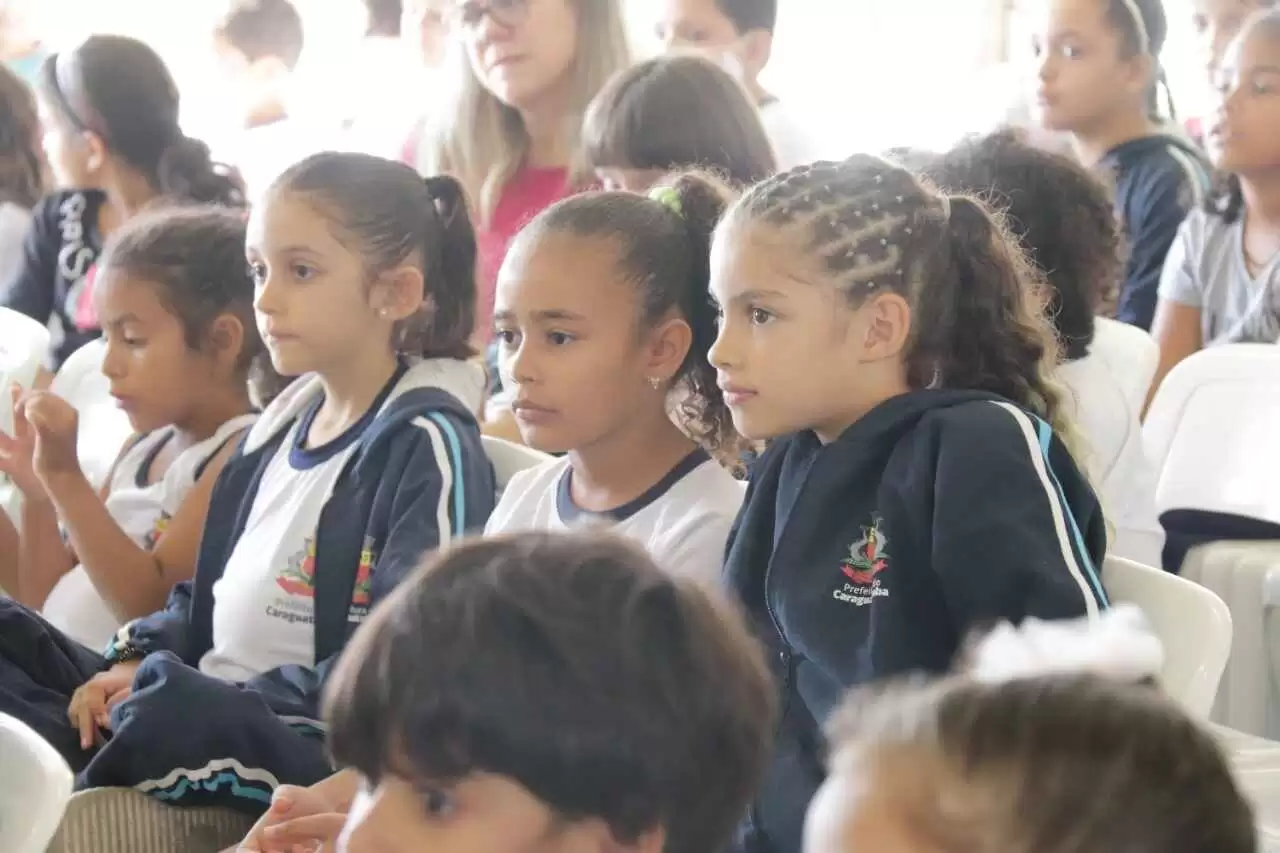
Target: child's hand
(91, 705)
(55, 426)
(299, 819)
(17, 452)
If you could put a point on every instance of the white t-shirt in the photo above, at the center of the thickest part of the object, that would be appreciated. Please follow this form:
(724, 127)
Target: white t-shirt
(264, 603)
(1206, 269)
(142, 511)
(683, 522)
(1116, 462)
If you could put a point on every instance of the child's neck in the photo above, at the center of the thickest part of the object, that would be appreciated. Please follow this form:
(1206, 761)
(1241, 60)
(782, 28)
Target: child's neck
(1093, 144)
(1261, 192)
(349, 392)
(215, 409)
(621, 467)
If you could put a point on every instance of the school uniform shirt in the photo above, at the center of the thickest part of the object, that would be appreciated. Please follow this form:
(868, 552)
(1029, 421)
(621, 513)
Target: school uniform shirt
(938, 513)
(55, 277)
(142, 510)
(682, 521)
(1206, 269)
(1159, 179)
(298, 546)
(1113, 455)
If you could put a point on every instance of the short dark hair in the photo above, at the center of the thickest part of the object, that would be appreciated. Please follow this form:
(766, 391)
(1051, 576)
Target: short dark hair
(629, 125)
(398, 217)
(1061, 213)
(748, 15)
(573, 665)
(120, 89)
(195, 256)
(263, 29)
(666, 253)
(1048, 764)
(384, 17)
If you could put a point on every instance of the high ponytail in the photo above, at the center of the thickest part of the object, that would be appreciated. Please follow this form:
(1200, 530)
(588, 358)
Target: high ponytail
(397, 218)
(664, 243)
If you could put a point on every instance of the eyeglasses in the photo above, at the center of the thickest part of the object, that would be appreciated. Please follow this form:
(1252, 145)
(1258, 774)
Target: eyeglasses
(471, 13)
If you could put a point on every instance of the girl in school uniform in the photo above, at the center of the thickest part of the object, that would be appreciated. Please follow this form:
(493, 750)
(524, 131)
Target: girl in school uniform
(365, 289)
(603, 322)
(1221, 284)
(112, 139)
(1098, 80)
(176, 303)
(887, 340)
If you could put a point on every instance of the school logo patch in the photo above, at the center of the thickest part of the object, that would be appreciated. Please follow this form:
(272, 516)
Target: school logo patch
(157, 532)
(362, 594)
(868, 558)
(299, 577)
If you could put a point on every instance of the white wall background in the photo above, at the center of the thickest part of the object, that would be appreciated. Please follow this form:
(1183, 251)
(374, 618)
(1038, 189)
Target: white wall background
(865, 74)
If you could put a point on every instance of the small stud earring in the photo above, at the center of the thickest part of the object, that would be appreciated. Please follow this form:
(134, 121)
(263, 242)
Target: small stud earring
(384, 313)
(655, 382)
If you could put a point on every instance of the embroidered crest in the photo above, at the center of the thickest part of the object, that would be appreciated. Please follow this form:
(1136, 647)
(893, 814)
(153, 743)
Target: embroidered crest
(868, 557)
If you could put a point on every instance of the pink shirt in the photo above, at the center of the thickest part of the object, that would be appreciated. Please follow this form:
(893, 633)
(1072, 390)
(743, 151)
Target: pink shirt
(526, 195)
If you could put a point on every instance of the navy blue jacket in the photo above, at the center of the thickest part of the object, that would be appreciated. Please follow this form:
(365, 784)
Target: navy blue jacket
(1158, 180)
(938, 513)
(418, 478)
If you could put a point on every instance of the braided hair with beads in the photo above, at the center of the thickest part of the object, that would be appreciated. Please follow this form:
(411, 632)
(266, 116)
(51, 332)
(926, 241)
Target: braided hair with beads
(873, 227)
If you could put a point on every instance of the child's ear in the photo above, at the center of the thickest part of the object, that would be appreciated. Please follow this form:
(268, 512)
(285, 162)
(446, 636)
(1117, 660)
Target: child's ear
(95, 150)
(398, 293)
(757, 47)
(226, 337)
(886, 324)
(669, 343)
(1139, 75)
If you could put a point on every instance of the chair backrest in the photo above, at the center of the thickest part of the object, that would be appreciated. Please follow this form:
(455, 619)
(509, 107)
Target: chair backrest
(24, 344)
(509, 459)
(104, 428)
(34, 788)
(1193, 624)
(1130, 354)
(1212, 432)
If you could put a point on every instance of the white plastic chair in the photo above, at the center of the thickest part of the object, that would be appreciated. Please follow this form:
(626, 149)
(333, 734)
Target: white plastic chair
(24, 344)
(1211, 432)
(509, 458)
(104, 428)
(1193, 624)
(1131, 356)
(34, 788)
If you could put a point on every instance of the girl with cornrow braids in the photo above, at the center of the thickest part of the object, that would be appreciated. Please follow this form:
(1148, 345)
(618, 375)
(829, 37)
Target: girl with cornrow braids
(887, 340)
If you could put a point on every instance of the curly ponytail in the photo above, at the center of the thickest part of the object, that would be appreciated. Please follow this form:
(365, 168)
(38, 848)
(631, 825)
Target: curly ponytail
(979, 322)
(664, 247)
(186, 172)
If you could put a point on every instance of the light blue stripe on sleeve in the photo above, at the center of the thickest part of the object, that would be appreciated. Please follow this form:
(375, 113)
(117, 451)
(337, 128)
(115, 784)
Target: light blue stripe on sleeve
(459, 478)
(1045, 434)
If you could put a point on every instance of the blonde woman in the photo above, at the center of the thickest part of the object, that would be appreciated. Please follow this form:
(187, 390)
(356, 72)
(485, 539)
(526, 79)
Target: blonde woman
(511, 127)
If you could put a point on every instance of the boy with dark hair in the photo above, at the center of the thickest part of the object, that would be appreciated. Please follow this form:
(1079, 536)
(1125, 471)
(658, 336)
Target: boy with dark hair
(548, 692)
(258, 43)
(739, 35)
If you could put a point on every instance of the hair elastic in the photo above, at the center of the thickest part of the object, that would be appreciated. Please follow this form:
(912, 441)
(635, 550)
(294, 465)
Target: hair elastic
(669, 198)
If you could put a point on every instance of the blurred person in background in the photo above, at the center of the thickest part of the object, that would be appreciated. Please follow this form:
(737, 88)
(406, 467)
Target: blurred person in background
(110, 109)
(22, 168)
(258, 44)
(20, 46)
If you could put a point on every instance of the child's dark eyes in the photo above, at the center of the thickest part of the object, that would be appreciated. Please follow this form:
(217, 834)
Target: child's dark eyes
(302, 272)
(258, 272)
(559, 339)
(506, 337)
(760, 317)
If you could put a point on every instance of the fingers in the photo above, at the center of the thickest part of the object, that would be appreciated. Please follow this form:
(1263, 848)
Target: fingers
(88, 729)
(312, 829)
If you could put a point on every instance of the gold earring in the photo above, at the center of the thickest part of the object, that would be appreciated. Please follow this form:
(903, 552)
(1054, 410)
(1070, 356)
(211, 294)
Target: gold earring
(655, 382)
